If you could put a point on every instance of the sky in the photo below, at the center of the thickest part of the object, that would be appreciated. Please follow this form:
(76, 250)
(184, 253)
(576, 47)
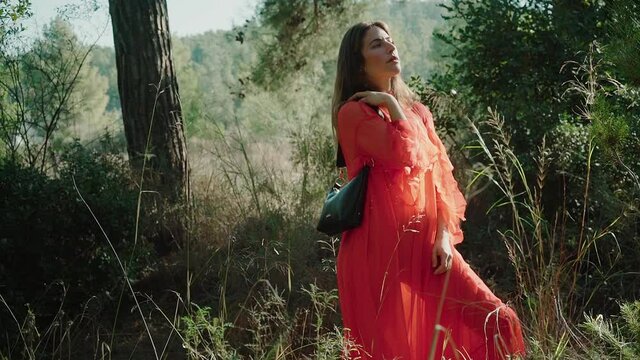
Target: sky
(90, 18)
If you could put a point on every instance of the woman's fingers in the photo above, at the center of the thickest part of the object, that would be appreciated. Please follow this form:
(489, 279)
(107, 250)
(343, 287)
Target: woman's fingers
(356, 95)
(434, 258)
(441, 268)
(445, 263)
(441, 259)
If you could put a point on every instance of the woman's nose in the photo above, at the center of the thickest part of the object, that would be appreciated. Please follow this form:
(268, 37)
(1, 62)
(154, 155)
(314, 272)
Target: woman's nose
(390, 46)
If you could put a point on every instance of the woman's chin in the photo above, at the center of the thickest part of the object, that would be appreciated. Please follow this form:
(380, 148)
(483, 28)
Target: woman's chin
(395, 69)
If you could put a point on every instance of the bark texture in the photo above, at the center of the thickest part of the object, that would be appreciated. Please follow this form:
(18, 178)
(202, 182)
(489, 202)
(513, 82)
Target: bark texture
(151, 109)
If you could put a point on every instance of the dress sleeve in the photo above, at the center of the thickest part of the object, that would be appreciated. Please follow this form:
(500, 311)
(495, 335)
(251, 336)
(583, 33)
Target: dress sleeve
(391, 144)
(450, 201)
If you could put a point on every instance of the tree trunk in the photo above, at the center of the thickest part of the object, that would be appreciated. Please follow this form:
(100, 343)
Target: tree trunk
(151, 109)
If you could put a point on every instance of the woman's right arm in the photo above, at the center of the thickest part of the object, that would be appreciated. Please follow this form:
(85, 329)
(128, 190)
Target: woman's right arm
(390, 144)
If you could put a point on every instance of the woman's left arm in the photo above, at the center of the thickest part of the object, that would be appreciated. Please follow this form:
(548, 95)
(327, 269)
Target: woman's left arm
(451, 203)
(442, 254)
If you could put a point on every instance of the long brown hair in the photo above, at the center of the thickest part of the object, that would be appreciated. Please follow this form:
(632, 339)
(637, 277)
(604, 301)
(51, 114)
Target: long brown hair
(350, 78)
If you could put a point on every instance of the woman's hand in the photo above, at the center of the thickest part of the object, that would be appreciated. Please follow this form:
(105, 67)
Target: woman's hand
(373, 97)
(442, 255)
(377, 98)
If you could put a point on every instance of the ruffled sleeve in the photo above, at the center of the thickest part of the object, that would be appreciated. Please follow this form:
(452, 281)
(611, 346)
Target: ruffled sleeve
(450, 201)
(391, 144)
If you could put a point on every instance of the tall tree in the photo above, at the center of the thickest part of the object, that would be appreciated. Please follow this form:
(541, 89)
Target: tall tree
(151, 109)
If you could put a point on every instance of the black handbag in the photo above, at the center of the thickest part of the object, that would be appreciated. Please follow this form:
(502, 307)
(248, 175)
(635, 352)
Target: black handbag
(344, 205)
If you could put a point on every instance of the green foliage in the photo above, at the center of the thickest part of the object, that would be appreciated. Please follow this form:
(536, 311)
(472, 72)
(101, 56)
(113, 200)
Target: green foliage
(203, 336)
(11, 12)
(211, 69)
(540, 65)
(314, 154)
(624, 46)
(300, 34)
(49, 237)
(610, 128)
(449, 111)
(507, 54)
(37, 94)
(103, 60)
(571, 137)
(271, 329)
(619, 339)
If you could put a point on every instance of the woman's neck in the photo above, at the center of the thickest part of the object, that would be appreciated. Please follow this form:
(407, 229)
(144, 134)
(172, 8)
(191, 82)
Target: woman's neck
(383, 85)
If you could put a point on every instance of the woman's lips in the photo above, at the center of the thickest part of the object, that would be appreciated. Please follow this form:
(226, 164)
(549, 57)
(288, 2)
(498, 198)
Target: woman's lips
(394, 59)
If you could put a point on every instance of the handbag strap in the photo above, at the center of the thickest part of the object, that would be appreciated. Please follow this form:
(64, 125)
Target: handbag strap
(340, 163)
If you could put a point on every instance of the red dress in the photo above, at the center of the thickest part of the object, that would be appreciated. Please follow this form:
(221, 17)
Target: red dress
(389, 294)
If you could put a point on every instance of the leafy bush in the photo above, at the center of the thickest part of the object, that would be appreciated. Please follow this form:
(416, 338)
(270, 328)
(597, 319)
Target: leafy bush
(203, 336)
(49, 236)
(617, 339)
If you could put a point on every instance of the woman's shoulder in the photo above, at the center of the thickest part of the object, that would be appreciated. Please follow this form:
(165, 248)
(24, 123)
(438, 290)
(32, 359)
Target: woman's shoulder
(424, 112)
(421, 108)
(354, 112)
(355, 107)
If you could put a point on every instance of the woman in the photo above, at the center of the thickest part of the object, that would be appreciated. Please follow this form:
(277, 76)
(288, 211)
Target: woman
(405, 291)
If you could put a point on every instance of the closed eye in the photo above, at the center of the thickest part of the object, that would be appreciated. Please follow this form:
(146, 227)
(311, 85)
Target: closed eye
(378, 41)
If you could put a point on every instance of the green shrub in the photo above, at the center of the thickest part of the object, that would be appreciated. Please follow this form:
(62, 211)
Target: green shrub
(48, 236)
(617, 338)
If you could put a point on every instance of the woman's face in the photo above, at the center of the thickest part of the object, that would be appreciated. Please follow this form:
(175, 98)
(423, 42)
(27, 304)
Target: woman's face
(381, 59)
